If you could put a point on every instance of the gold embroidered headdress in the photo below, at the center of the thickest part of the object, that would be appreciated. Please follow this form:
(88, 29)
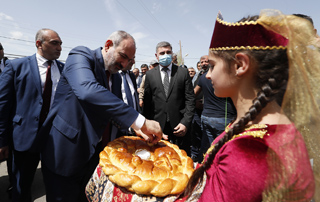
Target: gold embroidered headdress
(250, 35)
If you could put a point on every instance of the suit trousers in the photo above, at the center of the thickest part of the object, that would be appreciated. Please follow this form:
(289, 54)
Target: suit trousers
(182, 142)
(70, 188)
(196, 135)
(24, 167)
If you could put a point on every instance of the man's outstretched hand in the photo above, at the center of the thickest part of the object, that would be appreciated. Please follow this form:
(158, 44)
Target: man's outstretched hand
(151, 132)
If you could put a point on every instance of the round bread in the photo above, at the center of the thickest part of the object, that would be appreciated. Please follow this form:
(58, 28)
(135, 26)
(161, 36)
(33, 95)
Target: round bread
(160, 170)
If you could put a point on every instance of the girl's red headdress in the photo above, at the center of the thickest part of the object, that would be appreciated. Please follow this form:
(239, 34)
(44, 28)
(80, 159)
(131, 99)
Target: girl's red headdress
(244, 35)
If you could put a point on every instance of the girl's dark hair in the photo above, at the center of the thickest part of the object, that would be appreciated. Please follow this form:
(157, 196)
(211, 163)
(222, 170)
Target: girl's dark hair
(271, 79)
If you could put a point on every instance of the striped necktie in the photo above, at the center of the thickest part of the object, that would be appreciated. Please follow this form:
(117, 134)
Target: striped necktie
(127, 89)
(166, 80)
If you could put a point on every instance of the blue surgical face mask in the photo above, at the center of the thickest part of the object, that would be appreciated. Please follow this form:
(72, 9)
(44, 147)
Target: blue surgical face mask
(165, 60)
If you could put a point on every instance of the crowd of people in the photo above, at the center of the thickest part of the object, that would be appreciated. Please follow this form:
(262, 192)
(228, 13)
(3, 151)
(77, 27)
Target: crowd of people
(239, 116)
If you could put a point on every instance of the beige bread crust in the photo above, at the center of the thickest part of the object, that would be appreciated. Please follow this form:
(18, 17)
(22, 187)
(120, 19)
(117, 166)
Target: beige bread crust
(166, 172)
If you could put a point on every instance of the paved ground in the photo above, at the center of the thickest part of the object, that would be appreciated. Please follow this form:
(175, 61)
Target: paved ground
(38, 190)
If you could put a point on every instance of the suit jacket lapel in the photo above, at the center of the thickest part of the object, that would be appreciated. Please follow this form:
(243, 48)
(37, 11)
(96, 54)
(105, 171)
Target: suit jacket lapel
(99, 70)
(116, 85)
(35, 72)
(173, 79)
(60, 66)
(157, 78)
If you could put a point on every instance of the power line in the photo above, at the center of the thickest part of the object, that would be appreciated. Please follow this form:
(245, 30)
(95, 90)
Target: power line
(155, 19)
(5, 37)
(14, 56)
(27, 27)
(15, 39)
(146, 55)
(137, 19)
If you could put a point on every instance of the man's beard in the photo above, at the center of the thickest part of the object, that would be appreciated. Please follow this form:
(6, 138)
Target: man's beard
(112, 65)
(204, 68)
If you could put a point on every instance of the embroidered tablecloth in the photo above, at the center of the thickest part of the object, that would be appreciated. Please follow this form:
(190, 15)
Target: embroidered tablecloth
(101, 189)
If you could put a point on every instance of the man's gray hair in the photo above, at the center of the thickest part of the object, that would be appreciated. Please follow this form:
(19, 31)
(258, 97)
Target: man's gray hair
(163, 44)
(118, 36)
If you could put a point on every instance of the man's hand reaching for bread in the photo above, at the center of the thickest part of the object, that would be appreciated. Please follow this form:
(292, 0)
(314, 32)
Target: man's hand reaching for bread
(151, 132)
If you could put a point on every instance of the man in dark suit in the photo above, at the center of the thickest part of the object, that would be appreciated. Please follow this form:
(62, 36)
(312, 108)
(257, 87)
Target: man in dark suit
(169, 97)
(120, 90)
(82, 110)
(22, 89)
(138, 77)
(125, 87)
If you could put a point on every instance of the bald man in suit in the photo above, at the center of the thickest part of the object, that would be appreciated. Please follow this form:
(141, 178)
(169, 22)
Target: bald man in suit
(22, 111)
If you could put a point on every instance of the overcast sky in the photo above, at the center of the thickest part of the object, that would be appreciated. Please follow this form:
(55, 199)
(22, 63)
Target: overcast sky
(90, 22)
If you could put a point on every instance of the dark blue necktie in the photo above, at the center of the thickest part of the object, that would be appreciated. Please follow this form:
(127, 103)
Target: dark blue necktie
(127, 89)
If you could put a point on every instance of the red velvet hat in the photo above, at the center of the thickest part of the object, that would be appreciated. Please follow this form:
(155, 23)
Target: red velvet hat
(244, 35)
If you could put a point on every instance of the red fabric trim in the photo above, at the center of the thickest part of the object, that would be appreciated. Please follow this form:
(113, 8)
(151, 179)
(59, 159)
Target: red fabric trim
(119, 195)
(99, 170)
(245, 35)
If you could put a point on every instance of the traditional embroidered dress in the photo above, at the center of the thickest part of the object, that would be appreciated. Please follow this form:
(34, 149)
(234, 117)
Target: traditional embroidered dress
(244, 168)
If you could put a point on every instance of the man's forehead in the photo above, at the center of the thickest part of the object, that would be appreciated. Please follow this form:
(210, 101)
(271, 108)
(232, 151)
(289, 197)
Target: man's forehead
(164, 48)
(204, 58)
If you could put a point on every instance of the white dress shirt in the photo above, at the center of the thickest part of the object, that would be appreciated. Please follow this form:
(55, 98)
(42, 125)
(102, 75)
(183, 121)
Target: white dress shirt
(162, 73)
(132, 90)
(138, 123)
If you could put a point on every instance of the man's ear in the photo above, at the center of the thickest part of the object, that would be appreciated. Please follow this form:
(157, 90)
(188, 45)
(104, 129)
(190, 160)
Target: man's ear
(242, 63)
(108, 44)
(38, 44)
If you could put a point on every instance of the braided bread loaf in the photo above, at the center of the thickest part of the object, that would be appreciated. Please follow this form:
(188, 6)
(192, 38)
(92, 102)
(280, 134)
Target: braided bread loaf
(160, 170)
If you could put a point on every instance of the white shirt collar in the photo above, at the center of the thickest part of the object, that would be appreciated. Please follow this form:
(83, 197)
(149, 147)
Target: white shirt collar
(169, 67)
(41, 60)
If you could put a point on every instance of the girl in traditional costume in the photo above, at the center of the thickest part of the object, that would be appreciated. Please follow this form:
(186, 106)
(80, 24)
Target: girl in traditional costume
(271, 151)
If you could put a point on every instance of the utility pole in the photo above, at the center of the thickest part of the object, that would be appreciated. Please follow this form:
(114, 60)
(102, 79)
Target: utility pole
(182, 62)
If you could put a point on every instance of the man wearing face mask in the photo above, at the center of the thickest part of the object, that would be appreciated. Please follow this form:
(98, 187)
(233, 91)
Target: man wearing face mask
(169, 97)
